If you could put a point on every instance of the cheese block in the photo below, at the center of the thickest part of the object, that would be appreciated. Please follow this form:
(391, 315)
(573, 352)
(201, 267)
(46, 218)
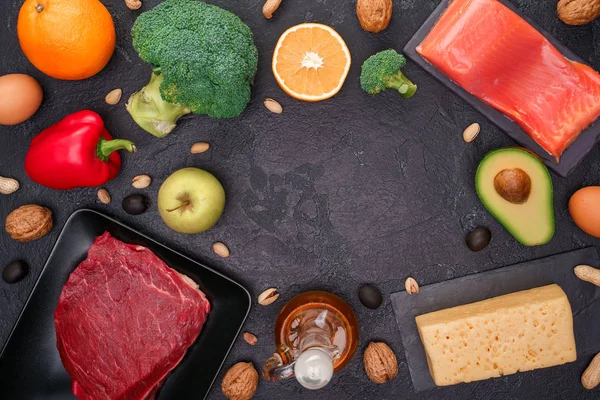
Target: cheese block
(500, 336)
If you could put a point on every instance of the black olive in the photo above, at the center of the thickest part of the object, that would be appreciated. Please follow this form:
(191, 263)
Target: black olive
(478, 238)
(15, 271)
(135, 204)
(370, 296)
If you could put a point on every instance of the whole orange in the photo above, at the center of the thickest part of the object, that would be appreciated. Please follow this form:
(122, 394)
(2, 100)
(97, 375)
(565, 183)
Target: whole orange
(66, 39)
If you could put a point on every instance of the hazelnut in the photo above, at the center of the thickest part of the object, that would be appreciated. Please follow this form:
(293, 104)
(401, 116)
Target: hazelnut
(29, 222)
(240, 382)
(380, 362)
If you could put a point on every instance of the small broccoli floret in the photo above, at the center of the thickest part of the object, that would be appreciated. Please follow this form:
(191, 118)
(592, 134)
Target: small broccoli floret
(203, 60)
(382, 71)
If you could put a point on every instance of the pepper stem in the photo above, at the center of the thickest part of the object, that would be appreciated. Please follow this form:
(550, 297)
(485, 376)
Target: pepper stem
(107, 147)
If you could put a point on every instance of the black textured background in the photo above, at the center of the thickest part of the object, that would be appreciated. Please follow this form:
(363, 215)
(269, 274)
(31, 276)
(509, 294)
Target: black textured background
(324, 196)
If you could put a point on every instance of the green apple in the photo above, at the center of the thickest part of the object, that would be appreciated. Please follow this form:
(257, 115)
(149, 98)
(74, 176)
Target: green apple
(191, 200)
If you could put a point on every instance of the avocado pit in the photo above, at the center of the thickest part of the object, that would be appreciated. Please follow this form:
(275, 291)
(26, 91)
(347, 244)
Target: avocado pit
(513, 185)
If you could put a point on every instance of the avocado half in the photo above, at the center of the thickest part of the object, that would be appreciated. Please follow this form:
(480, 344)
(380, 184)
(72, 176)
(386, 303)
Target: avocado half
(516, 188)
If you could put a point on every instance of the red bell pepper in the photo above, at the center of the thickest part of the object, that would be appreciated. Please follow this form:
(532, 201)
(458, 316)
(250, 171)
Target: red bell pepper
(76, 152)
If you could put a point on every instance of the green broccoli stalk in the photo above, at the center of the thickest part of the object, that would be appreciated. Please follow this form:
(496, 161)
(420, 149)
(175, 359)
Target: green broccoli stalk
(204, 61)
(382, 71)
(151, 112)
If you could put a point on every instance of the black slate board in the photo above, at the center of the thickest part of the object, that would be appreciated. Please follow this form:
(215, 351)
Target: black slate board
(30, 365)
(557, 269)
(570, 158)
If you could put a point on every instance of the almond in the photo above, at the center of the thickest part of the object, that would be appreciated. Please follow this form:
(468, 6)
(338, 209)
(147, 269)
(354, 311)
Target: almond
(250, 338)
(200, 147)
(104, 196)
(114, 97)
(471, 132)
(273, 106)
(220, 249)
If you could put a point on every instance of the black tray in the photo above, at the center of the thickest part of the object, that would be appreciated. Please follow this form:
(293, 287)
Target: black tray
(569, 159)
(558, 269)
(30, 366)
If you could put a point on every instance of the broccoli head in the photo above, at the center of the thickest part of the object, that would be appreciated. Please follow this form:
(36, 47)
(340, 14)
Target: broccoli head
(203, 59)
(382, 71)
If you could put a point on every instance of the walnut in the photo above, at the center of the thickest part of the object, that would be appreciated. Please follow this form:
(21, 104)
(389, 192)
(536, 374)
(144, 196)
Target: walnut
(380, 362)
(578, 12)
(29, 222)
(374, 15)
(240, 382)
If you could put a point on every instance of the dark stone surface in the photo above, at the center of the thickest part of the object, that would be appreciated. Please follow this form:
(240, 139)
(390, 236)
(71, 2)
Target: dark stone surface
(328, 196)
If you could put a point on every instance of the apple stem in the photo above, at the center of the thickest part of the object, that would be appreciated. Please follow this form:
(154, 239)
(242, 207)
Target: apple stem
(185, 203)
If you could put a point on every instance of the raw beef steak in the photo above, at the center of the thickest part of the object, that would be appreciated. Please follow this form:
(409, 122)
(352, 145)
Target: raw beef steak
(124, 320)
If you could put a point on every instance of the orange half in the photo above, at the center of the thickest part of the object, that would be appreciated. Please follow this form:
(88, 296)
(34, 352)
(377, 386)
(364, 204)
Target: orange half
(311, 62)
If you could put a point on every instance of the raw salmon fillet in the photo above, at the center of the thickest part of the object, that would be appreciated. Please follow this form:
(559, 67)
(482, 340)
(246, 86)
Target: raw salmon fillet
(498, 57)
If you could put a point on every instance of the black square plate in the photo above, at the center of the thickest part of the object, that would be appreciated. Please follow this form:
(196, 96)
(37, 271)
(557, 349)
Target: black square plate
(574, 153)
(30, 366)
(558, 269)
